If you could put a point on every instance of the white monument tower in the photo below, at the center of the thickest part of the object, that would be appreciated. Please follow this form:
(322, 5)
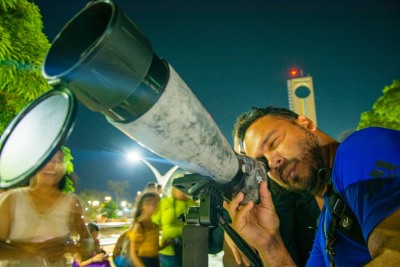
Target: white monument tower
(301, 95)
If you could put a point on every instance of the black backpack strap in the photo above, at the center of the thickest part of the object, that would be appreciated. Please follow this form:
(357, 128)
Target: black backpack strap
(343, 220)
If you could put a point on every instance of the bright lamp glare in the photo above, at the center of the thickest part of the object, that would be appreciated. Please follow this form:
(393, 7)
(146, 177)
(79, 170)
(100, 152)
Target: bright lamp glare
(133, 156)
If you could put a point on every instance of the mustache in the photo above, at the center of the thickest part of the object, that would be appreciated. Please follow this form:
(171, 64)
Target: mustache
(282, 168)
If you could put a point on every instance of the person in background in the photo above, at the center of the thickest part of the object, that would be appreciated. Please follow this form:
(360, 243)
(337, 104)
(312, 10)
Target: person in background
(363, 171)
(298, 214)
(98, 257)
(144, 235)
(37, 221)
(150, 187)
(153, 187)
(159, 190)
(169, 208)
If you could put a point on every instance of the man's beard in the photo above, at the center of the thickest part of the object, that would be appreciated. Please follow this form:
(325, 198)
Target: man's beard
(311, 154)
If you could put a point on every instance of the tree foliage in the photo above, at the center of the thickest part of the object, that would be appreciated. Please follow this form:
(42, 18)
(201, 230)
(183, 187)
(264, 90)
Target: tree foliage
(23, 47)
(90, 196)
(109, 209)
(386, 110)
(118, 188)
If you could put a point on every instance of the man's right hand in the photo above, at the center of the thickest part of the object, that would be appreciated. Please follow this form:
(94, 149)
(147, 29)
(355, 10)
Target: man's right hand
(259, 226)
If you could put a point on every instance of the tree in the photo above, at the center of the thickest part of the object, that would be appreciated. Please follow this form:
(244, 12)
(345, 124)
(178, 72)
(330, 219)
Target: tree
(91, 202)
(109, 209)
(386, 110)
(118, 187)
(23, 47)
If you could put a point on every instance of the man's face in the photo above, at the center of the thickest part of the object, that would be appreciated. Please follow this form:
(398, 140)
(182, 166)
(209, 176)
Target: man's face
(291, 149)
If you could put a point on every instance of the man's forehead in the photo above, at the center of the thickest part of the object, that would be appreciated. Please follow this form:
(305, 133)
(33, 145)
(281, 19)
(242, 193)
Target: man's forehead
(260, 130)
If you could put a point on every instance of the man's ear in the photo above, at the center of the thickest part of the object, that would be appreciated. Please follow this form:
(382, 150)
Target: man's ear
(306, 123)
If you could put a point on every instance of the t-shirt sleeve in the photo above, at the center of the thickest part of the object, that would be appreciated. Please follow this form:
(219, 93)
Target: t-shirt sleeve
(367, 175)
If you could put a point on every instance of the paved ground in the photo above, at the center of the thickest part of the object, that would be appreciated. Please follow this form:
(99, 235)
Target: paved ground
(215, 260)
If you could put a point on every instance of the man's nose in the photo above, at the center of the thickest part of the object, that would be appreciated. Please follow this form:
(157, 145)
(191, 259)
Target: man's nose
(275, 161)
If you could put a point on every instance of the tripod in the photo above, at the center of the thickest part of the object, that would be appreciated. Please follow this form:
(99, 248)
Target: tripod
(209, 213)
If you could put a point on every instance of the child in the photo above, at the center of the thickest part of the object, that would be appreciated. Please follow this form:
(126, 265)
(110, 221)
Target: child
(99, 256)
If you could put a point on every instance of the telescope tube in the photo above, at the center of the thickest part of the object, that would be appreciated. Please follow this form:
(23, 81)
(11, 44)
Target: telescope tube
(105, 60)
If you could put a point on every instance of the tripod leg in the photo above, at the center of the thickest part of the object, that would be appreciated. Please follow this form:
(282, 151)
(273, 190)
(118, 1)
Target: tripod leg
(195, 246)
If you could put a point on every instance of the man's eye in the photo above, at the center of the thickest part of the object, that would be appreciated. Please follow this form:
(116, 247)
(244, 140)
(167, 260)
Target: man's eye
(273, 143)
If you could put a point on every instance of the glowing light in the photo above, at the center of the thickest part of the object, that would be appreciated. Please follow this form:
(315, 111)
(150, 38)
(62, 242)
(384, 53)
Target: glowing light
(133, 156)
(294, 72)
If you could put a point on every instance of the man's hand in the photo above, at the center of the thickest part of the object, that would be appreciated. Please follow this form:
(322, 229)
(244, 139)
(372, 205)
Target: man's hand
(255, 223)
(259, 227)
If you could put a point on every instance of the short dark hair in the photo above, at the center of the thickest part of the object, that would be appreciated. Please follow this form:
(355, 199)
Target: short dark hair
(151, 185)
(92, 227)
(247, 118)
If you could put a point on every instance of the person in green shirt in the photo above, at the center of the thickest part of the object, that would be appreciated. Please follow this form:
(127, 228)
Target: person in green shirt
(170, 207)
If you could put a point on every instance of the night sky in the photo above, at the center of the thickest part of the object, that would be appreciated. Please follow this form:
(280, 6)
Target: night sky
(237, 54)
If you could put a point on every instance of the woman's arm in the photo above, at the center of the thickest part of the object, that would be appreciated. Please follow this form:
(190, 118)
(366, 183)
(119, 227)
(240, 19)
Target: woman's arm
(85, 245)
(118, 246)
(135, 245)
(96, 258)
(7, 250)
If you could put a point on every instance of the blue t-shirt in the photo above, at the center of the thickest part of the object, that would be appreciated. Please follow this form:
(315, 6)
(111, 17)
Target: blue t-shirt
(366, 173)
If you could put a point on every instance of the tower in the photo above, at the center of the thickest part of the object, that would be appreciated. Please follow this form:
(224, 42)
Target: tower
(301, 95)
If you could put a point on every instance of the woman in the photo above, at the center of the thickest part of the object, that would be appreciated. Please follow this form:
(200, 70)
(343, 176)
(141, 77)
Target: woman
(37, 221)
(144, 236)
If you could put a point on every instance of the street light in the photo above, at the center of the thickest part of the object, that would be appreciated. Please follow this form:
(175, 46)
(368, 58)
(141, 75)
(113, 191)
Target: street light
(161, 179)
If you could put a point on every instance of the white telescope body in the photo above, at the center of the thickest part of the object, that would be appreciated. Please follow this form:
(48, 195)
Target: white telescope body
(104, 59)
(109, 65)
(179, 129)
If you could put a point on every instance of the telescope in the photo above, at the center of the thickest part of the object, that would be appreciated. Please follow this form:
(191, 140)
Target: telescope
(102, 59)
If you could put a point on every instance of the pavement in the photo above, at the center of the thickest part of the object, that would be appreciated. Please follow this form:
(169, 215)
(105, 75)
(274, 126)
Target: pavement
(215, 260)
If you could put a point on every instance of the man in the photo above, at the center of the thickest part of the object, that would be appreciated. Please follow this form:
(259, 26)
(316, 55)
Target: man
(365, 172)
(297, 212)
